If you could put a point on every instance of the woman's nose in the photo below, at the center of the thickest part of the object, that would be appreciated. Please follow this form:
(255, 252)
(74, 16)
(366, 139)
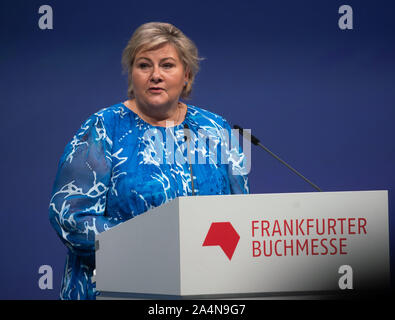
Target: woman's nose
(156, 75)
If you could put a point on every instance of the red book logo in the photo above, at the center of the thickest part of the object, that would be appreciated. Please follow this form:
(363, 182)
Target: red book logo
(224, 235)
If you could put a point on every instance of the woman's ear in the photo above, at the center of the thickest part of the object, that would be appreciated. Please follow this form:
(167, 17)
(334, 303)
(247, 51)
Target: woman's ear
(186, 75)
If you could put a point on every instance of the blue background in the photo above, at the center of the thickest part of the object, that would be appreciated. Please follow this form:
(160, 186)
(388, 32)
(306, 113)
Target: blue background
(319, 97)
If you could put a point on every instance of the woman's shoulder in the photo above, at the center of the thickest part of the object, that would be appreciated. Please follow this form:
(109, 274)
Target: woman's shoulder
(112, 112)
(104, 120)
(108, 117)
(203, 116)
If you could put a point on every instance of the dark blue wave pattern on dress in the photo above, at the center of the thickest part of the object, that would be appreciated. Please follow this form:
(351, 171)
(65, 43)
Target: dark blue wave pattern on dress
(112, 171)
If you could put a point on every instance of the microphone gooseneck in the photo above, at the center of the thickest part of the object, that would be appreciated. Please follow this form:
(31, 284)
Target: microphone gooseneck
(256, 142)
(187, 138)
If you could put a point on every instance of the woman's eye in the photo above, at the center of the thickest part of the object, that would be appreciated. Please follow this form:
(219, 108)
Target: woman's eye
(168, 65)
(143, 65)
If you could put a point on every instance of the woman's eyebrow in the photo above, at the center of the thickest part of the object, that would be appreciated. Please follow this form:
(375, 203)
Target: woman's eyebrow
(168, 58)
(143, 58)
(163, 59)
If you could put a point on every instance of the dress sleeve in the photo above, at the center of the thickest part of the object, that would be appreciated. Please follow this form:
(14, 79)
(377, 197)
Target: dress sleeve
(238, 164)
(77, 209)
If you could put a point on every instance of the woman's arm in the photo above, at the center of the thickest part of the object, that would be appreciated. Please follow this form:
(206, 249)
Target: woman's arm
(77, 209)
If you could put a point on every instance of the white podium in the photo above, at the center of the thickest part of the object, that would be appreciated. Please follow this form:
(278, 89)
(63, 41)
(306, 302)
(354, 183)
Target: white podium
(249, 246)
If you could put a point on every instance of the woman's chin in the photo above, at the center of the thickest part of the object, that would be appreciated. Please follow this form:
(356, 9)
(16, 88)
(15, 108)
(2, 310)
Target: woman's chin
(158, 102)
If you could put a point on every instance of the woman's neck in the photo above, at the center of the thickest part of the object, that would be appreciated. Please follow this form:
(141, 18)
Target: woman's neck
(159, 117)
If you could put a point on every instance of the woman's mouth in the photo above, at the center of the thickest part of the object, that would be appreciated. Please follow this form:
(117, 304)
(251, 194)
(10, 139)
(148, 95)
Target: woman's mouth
(155, 89)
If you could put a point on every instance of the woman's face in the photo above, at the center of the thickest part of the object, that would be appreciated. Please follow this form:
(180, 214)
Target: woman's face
(158, 77)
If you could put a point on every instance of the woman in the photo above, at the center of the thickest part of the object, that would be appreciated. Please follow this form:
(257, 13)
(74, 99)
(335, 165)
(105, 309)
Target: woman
(131, 156)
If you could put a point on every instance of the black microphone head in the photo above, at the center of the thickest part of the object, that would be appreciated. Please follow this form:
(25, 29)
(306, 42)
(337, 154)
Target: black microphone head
(186, 133)
(247, 135)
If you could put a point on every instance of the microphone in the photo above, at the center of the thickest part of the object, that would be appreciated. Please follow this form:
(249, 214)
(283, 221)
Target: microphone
(256, 142)
(187, 138)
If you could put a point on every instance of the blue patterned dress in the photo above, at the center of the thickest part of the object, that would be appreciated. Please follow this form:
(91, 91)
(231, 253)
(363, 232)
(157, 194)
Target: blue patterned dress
(118, 166)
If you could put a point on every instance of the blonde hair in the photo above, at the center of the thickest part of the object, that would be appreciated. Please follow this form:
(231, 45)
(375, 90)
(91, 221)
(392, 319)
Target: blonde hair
(154, 34)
